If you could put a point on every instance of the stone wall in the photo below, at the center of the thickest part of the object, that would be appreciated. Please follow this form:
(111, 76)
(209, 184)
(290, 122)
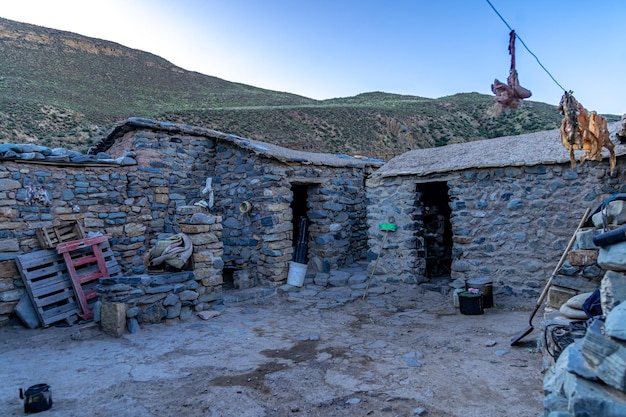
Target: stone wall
(263, 237)
(138, 204)
(152, 298)
(508, 224)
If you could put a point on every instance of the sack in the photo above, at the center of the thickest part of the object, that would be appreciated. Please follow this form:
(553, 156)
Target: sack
(592, 305)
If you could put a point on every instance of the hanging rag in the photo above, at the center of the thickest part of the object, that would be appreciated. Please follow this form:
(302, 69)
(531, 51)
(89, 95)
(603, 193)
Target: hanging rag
(510, 94)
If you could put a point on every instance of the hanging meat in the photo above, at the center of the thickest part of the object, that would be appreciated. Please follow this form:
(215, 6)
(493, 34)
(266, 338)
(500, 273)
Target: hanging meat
(581, 130)
(510, 94)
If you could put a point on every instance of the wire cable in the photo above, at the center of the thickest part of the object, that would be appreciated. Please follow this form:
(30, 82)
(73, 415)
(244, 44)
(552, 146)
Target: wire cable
(529, 51)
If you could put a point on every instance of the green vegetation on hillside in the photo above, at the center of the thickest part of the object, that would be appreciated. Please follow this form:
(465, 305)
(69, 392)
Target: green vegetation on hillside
(61, 89)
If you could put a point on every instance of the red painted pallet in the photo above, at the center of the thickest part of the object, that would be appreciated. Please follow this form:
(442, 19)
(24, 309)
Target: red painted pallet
(85, 263)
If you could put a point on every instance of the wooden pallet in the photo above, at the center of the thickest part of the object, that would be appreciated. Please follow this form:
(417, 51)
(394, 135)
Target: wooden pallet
(86, 263)
(50, 237)
(49, 286)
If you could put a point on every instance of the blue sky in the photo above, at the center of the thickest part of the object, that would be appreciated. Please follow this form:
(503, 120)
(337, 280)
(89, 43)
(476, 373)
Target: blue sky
(337, 48)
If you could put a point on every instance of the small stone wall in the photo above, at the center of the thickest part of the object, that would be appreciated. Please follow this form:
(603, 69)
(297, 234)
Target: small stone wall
(131, 301)
(508, 224)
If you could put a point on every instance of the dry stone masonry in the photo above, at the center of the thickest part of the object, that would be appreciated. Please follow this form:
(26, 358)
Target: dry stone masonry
(139, 183)
(589, 377)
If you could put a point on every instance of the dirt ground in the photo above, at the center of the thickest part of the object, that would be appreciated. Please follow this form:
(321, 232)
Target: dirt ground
(406, 352)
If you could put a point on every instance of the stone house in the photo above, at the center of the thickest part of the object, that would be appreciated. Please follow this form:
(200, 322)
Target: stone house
(502, 209)
(142, 182)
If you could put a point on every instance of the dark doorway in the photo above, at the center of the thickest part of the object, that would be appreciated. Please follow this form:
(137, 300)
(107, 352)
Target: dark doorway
(436, 230)
(299, 208)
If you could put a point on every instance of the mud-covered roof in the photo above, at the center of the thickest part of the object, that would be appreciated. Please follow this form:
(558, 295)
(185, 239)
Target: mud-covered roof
(263, 149)
(530, 149)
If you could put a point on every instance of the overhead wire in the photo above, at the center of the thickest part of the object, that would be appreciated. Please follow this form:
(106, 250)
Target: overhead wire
(524, 44)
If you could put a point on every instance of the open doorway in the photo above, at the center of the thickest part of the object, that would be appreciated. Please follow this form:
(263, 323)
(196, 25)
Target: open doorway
(299, 208)
(436, 228)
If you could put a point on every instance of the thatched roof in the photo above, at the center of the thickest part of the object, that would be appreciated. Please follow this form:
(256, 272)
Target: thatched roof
(537, 148)
(263, 149)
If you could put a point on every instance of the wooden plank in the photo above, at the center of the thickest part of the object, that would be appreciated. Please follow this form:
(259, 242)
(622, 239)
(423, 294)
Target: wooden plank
(82, 243)
(35, 259)
(48, 288)
(60, 312)
(48, 285)
(55, 298)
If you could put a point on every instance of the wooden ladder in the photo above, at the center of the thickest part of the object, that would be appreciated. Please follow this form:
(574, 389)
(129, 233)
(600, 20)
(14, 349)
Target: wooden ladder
(91, 266)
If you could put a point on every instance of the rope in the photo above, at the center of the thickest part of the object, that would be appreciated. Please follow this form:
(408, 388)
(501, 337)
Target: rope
(529, 51)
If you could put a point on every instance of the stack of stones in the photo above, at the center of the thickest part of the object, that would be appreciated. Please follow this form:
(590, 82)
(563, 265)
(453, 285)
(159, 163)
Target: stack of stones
(589, 378)
(128, 302)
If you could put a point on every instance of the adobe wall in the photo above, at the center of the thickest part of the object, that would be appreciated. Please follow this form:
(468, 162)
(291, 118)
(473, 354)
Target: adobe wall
(509, 224)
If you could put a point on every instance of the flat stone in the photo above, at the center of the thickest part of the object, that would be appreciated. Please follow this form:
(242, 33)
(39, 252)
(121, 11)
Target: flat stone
(338, 278)
(170, 300)
(577, 301)
(613, 257)
(188, 295)
(612, 290)
(587, 398)
(615, 324)
(573, 313)
(132, 312)
(26, 312)
(172, 278)
(173, 311)
(133, 325)
(584, 239)
(575, 361)
(154, 313)
(206, 315)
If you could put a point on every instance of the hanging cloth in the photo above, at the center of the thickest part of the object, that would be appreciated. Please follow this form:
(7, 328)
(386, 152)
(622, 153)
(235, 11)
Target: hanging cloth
(510, 94)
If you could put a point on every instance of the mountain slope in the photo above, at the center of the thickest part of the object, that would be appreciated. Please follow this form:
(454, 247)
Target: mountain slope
(62, 89)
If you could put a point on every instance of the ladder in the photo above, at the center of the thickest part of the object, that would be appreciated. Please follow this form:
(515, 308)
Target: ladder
(85, 263)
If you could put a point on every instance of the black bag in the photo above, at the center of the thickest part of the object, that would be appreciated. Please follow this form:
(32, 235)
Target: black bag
(592, 305)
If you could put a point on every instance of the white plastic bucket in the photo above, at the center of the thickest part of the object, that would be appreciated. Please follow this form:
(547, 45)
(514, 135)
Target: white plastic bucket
(297, 271)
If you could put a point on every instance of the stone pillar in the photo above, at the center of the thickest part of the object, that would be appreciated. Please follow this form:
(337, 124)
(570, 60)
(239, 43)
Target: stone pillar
(205, 232)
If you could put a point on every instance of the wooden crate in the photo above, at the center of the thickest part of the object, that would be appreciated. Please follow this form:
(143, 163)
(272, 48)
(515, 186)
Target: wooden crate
(50, 237)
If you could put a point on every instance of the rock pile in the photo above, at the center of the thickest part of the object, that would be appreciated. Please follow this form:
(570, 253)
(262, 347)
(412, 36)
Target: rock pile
(589, 378)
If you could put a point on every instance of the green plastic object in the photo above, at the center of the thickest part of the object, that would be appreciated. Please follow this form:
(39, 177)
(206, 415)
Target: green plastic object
(388, 226)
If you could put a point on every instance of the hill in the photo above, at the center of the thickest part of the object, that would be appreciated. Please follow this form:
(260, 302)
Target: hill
(62, 89)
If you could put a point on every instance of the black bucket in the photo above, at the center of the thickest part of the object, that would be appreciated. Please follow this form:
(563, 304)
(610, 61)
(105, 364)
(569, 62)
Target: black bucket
(471, 304)
(484, 285)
